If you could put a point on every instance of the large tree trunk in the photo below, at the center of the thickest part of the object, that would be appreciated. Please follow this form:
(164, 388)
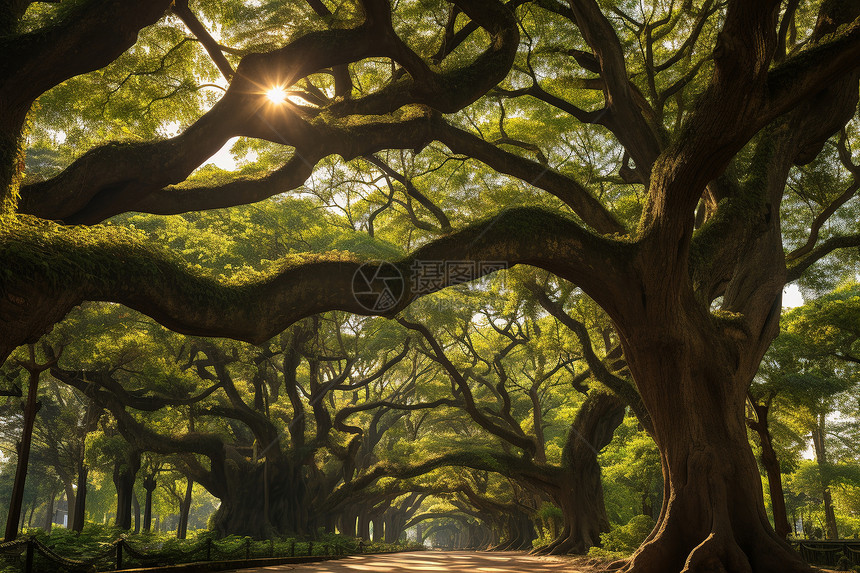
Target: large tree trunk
(771, 467)
(693, 381)
(184, 510)
(346, 523)
(242, 506)
(49, 513)
(521, 533)
(77, 520)
(363, 523)
(135, 506)
(580, 491)
(149, 486)
(124, 476)
(17, 498)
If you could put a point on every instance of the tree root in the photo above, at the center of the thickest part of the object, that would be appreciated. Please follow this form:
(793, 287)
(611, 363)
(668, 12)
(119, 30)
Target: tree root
(718, 553)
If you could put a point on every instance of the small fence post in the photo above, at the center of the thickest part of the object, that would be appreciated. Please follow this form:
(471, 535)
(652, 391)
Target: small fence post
(271, 548)
(119, 554)
(208, 549)
(310, 547)
(247, 548)
(28, 559)
(293, 548)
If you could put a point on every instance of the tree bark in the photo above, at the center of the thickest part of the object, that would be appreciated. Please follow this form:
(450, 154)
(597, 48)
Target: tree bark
(49, 513)
(80, 498)
(184, 510)
(771, 466)
(379, 528)
(148, 485)
(832, 531)
(124, 476)
(30, 408)
(242, 504)
(693, 381)
(69, 490)
(347, 523)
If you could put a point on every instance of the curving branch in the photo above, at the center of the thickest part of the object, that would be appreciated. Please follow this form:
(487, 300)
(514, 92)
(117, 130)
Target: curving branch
(479, 459)
(624, 119)
(513, 433)
(181, 9)
(143, 438)
(798, 266)
(785, 25)
(412, 191)
(573, 194)
(190, 302)
(35, 62)
(811, 71)
(263, 429)
(344, 413)
(820, 220)
(624, 389)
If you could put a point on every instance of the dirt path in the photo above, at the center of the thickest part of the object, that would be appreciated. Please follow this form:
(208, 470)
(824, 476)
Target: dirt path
(432, 561)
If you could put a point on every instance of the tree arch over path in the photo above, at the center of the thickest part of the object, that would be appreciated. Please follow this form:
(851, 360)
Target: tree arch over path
(701, 109)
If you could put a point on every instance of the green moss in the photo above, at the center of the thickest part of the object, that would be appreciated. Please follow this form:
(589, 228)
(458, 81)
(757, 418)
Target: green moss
(107, 257)
(743, 209)
(11, 173)
(728, 316)
(12, 155)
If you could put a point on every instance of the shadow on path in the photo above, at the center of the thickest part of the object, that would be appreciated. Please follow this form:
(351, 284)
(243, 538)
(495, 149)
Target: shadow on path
(430, 561)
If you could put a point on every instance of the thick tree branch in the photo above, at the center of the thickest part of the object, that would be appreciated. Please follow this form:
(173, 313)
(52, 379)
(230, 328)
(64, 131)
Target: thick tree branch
(35, 62)
(625, 119)
(189, 302)
(809, 72)
(565, 188)
(450, 91)
(181, 9)
(114, 178)
(798, 266)
(820, 220)
(623, 388)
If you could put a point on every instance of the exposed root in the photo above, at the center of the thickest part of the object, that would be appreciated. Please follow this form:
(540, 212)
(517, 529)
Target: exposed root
(718, 553)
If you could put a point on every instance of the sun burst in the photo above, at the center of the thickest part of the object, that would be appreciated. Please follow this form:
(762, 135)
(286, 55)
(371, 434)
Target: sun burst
(277, 94)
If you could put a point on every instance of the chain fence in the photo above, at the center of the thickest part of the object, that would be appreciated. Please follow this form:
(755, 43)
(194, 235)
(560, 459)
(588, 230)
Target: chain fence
(829, 552)
(28, 554)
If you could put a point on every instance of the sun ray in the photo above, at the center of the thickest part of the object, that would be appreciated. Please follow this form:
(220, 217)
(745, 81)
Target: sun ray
(277, 94)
